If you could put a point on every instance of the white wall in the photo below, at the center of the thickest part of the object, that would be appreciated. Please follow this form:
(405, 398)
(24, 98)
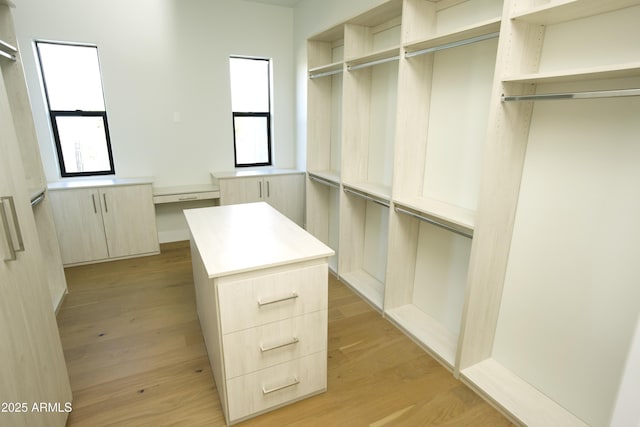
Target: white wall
(165, 74)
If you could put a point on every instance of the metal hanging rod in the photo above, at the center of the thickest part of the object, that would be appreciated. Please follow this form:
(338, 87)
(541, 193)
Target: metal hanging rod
(367, 197)
(323, 181)
(434, 222)
(372, 63)
(573, 95)
(453, 44)
(325, 74)
(8, 51)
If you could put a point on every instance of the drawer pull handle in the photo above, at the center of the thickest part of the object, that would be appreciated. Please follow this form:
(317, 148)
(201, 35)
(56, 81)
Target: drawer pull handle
(266, 391)
(293, 340)
(185, 198)
(275, 300)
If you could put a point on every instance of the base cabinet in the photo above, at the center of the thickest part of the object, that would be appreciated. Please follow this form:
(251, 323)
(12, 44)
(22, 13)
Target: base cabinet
(95, 224)
(285, 191)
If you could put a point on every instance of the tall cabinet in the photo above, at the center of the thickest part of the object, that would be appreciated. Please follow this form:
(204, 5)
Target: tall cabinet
(495, 226)
(29, 152)
(33, 368)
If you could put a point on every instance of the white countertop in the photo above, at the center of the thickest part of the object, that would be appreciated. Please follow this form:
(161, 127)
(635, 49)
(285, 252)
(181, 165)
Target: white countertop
(240, 173)
(96, 182)
(239, 238)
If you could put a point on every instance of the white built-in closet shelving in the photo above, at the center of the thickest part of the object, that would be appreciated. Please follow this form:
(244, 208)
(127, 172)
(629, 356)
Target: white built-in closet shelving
(372, 53)
(551, 309)
(476, 164)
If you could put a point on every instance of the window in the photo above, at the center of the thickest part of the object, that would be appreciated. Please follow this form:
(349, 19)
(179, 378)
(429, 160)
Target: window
(251, 107)
(73, 87)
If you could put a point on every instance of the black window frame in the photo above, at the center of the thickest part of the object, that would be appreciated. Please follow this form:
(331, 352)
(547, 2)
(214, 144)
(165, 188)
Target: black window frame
(266, 114)
(54, 114)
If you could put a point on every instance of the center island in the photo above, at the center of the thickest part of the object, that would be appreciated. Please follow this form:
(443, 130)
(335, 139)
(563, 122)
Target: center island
(261, 295)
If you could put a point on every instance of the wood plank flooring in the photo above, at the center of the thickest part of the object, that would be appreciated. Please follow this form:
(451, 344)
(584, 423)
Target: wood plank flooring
(136, 357)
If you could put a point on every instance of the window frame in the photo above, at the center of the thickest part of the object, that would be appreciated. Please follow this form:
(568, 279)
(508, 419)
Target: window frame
(54, 114)
(266, 114)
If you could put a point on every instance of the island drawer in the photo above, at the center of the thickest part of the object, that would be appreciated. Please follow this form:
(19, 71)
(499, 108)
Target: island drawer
(283, 383)
(268, 345)
(254, 301)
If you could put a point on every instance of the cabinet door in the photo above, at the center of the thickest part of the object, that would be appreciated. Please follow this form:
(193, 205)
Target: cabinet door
(33, 368)
(129, 220)
(78, 220)
(286, 194)
(241, 190)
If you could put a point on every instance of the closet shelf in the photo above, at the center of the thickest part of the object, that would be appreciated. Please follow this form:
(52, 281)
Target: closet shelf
(462, 36)
(427, 331)
(328, 175)
(366, 285)
(566, 10)
(376, 191)
(440, 213)
(494, 381)
(375, 58)
(326, 70)
(631, 69)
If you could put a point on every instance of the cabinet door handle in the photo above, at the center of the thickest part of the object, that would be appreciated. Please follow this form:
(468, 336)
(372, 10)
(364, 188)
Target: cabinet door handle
(187, 198)
(93, 198)
(294, 381)
(106, 208)
(292, 341)
(275, 300)
(268, 190)
(260, 186)
(7, 233)
(8, 229)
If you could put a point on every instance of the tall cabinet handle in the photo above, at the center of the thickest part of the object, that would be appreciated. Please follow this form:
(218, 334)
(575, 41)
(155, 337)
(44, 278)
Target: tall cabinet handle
(268, 190)
(8, 230)
(260, 186)
(106, 208)
(93, 198)
(7, 233)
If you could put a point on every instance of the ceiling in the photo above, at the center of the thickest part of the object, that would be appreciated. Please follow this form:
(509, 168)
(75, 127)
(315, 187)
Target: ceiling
(286, 3)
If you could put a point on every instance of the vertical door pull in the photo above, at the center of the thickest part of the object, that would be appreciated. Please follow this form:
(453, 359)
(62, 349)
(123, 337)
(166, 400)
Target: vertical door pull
(106, 208)
(268, 190)
(95, 209)
(16, 228)
(260, 186)
(7, 232)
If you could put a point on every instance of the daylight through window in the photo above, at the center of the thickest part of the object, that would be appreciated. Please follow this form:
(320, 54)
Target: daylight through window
(251, 107)
(73, 87)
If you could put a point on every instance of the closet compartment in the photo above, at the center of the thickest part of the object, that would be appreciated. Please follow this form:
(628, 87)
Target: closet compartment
(374, 37)
(364, 226)
(431, 24)
(324, 137)
(372, 43)
(557, 44)
(324, 90)
(427, 276)
(446, 79)
(323, 213)
(552, 304)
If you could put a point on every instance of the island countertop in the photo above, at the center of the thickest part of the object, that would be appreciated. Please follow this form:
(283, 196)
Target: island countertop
(240, 238)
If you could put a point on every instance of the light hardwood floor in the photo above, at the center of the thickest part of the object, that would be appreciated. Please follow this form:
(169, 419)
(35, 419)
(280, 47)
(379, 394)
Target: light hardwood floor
(136, 356)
